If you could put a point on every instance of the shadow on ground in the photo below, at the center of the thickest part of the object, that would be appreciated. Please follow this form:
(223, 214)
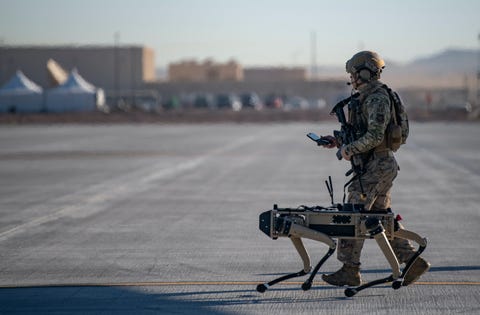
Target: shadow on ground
(160, 299)
(142, 300)
(98, 300)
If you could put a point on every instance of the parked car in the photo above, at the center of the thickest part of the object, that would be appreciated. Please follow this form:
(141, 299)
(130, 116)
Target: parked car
(205, 100)
(273, 101)
(251, 100)
(318, 103)
(296, 102)
(172, 103)
(228, 101)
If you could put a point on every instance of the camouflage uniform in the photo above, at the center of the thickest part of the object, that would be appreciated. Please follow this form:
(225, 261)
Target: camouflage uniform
(370, 120)
(370, 114)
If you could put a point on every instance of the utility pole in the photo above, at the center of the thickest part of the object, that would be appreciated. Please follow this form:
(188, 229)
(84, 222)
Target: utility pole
(116, 40)
(313, 52)
(132, 73)
(477, 91)
(3, 62)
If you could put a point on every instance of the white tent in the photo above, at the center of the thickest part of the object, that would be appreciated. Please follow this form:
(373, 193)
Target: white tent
(21, 95)
(74, 95)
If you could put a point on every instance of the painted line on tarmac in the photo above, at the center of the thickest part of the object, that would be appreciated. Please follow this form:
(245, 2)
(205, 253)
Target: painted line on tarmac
(200, 283)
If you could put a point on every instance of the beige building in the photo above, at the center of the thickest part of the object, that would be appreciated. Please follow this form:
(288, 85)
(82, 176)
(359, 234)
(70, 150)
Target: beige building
(122, 68)
(208, 71)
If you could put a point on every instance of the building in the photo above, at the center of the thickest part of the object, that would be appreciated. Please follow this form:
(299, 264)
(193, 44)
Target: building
(113, 68)
(208, 71)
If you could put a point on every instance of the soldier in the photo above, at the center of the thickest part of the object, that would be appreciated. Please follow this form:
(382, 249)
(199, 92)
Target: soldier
(370, 119)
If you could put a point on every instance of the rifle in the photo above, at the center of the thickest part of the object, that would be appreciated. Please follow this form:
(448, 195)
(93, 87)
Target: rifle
(348, 135)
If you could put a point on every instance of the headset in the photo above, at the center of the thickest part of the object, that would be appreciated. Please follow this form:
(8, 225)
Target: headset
(365, 74)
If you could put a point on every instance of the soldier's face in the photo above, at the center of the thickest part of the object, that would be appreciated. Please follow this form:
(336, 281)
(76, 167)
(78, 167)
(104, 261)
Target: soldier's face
(353, 81)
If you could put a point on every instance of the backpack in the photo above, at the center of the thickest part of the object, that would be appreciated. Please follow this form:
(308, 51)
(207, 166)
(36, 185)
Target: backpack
(397, 129)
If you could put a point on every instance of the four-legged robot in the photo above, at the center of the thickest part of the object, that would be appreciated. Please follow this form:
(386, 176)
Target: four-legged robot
(323, 224)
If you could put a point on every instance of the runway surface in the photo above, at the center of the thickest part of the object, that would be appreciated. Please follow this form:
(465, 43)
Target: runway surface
(163, 219)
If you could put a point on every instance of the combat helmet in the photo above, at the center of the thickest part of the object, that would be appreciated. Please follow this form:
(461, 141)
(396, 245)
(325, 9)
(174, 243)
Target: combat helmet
(366, 64)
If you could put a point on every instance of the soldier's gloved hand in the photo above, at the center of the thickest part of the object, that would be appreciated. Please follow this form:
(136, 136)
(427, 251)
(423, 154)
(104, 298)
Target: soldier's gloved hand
(332, 142)
(346, 154)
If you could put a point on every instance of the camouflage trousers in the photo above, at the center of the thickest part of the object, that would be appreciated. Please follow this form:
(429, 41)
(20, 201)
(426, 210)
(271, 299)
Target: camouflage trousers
(377, 183)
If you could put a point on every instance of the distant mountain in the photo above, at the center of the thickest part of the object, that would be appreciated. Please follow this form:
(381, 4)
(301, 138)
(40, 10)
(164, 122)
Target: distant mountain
(449, 68)
(451, 60)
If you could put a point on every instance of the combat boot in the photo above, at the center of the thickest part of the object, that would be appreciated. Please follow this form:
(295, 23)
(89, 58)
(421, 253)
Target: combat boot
(418, 268)
(347, 275)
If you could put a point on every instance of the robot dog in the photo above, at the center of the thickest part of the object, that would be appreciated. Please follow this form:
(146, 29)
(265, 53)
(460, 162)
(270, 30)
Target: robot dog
(325, 224)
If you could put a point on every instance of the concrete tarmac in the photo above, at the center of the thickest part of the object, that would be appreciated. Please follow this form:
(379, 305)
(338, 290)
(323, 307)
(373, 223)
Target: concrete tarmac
(163, 219)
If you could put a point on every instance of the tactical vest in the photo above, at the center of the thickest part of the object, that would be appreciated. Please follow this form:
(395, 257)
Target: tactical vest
(397, 129)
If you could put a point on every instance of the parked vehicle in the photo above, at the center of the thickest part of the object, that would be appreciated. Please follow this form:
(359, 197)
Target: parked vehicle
(228, 101)
(251, 100)
(296, 102)
(273, 101)
(206, 101)
(172, 103)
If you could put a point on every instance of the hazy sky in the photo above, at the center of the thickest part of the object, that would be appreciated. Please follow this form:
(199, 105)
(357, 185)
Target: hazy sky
(253, 32)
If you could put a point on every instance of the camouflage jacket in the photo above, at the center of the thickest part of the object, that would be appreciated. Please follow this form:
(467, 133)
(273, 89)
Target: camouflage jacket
(370, 117)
